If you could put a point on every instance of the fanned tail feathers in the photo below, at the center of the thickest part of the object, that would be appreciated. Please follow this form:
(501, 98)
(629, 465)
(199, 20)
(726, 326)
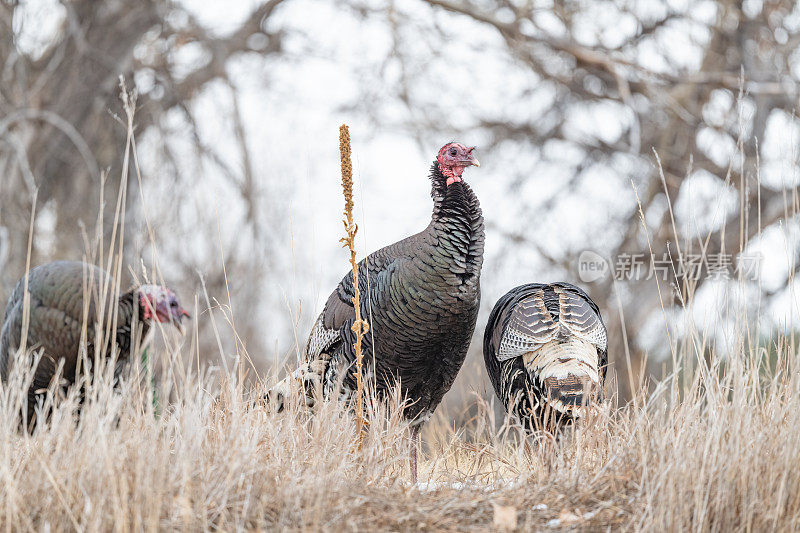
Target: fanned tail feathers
(545, 348)
(567, 371)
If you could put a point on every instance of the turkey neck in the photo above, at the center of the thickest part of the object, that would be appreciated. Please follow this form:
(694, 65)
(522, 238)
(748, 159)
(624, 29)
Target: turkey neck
(457, 217)
(127, 308)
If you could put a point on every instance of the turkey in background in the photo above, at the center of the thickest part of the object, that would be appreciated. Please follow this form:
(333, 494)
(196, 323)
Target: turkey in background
(58, 293)
(545, 349)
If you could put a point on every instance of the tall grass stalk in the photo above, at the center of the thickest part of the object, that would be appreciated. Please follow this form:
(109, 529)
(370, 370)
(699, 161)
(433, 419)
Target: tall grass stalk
(360, 326)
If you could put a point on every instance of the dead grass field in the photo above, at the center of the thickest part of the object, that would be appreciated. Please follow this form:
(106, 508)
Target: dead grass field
(717, 452)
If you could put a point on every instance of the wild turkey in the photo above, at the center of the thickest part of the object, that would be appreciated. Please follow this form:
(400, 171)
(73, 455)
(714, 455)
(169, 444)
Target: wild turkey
(56, 307)
(420, 296)
(545, 351)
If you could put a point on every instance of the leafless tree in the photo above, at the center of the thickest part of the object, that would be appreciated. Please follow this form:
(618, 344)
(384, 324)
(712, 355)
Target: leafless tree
(60, 132)
(693, 84)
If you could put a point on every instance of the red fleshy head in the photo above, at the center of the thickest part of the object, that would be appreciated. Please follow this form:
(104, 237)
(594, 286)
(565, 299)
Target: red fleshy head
(453, 158)
(160, 304)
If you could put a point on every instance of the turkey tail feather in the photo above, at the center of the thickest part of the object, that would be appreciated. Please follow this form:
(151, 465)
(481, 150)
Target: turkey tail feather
(307, 380)
(313, 377)
(545, 349)
(567, 371)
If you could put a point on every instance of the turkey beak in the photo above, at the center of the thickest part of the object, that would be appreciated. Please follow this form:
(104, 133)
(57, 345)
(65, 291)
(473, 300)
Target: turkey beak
(178, 322)
(471, 159)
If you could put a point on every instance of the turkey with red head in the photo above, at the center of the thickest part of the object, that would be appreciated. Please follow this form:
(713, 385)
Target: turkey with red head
(545, 349)
(63, 296)
(420, 296)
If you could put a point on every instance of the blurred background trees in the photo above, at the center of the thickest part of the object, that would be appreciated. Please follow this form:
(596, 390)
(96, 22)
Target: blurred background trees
(683, 110)
(63, 128)
(585, 113)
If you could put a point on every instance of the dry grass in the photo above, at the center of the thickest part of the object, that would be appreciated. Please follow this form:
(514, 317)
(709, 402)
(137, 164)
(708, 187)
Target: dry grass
(712, 448)
(722, 455)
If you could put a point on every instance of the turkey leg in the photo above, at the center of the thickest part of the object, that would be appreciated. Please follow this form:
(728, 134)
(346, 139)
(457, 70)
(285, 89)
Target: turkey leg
(412, 453)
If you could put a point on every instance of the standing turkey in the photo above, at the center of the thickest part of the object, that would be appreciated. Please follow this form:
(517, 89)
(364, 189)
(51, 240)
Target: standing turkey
(545, 349)
(420, 296)
(57, 309)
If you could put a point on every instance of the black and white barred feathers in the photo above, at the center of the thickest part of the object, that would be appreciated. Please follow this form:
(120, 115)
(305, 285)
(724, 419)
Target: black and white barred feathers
(545, 349)
(420, 296)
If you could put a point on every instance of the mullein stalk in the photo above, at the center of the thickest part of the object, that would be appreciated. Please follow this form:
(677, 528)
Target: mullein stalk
(360, 326)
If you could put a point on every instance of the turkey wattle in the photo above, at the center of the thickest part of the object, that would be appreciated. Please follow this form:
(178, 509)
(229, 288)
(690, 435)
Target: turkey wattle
(57, 305)
(545, 349)
(420, 296)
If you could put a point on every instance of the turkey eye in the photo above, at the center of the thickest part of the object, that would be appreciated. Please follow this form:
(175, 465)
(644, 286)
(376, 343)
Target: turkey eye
(173, 303)
(452, 151)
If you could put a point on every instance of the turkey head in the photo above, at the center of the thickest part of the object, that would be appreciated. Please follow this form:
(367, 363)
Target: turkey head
(161, 304)
(453, 158)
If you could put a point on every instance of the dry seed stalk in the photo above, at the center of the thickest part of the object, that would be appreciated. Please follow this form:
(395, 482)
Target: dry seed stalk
(360, 326)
